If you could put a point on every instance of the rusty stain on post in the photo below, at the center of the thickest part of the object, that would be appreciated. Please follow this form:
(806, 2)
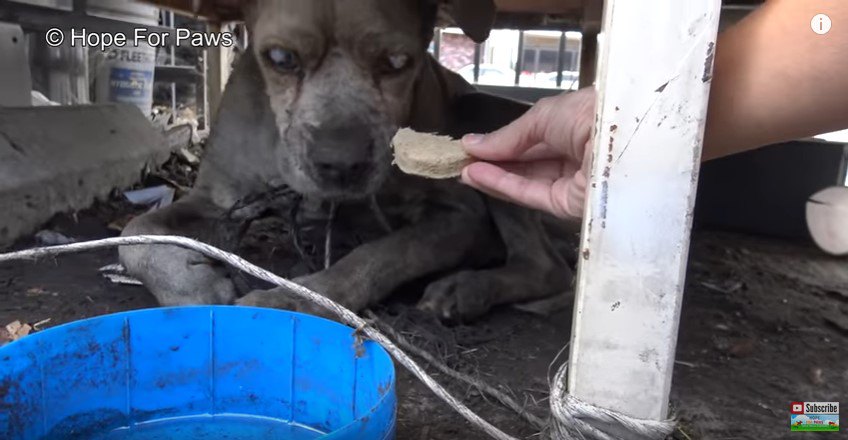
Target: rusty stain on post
(708, 64)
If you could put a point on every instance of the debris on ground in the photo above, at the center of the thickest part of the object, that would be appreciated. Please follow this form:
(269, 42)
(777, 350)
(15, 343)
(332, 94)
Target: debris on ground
(179, 137)
(117, 274)
(190, 158)
(37, 325)
(33, 292)
(742, 347)
(164, 118)
(156, 197)
(122, 279)
(14, 331)
(817, 376)
(726, 286)
(47, 237)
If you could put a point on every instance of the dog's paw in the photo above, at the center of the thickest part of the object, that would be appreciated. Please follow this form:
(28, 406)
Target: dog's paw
(282, 299)
(179, 277)
(457, 298)
(269, 299)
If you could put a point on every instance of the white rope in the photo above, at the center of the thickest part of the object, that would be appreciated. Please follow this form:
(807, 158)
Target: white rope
(571, 418)
(481, 386)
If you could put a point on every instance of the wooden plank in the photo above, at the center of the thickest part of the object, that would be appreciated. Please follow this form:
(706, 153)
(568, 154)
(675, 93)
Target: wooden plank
(217, 10)
(653, 84)
(15, 78)
(210, 9)
(540, 6)
(218, 68)
(588, 57)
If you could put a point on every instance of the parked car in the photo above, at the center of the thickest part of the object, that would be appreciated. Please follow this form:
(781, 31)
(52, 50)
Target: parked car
(570, 80)
(489, 75)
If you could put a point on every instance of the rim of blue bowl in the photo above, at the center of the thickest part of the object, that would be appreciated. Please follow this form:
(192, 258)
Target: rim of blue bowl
(392, 373)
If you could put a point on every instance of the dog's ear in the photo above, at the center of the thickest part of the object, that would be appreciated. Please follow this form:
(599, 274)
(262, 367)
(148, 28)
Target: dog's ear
(474, 17)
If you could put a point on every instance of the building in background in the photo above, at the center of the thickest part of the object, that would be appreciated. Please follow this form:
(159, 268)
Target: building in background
(541, 53)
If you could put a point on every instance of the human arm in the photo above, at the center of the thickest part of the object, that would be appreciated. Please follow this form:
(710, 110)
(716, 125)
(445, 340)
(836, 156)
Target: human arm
(776, 80)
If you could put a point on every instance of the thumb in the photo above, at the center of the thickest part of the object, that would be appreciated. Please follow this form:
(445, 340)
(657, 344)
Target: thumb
(511, 141)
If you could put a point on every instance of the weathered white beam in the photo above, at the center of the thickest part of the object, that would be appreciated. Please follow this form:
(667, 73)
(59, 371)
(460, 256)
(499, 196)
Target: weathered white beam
(655, 65)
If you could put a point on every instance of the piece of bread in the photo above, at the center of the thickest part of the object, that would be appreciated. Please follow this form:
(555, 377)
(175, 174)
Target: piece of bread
(430, 156)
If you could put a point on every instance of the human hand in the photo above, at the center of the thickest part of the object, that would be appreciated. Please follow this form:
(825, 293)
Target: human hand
(541, 159)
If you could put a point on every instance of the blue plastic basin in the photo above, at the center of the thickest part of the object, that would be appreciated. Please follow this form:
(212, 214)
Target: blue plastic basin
(197, 372)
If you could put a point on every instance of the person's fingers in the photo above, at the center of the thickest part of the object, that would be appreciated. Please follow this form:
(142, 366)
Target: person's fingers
(576, 195)
(502, 184)
(512, 140)
(563, 197)
(540, 151)
(547, 170)
(541, 160)
(495, 181)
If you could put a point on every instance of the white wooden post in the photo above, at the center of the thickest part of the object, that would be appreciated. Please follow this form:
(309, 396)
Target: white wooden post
(655, 64)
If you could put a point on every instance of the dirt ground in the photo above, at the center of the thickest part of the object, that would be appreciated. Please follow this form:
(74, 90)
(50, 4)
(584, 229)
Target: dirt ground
(765, 322)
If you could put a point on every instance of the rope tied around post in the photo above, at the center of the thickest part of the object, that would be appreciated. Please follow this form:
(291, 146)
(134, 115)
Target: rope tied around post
(571, 418)
(574, 419)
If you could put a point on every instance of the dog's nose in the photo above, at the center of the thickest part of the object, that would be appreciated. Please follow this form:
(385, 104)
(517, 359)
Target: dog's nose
(342, 155)
(342, 172)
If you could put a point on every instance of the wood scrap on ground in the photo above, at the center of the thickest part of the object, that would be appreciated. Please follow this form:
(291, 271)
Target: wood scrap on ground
(14, 331)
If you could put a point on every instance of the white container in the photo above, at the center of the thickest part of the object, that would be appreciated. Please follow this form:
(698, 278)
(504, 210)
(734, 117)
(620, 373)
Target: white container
(125, 74)
(827, 219)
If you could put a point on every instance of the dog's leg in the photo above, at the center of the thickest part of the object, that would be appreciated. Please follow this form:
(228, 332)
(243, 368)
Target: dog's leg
(177, 276)
(533, 270)
(239, 161)
(372, 271)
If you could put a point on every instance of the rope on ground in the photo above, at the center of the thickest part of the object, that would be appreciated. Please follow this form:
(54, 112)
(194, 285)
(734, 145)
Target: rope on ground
(500, 396)
(572, 419)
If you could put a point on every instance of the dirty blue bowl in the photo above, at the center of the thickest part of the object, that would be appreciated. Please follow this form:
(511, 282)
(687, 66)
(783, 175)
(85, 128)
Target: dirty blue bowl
(197, 372)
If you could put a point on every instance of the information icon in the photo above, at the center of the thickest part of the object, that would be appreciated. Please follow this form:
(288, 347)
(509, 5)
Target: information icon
(821, 24)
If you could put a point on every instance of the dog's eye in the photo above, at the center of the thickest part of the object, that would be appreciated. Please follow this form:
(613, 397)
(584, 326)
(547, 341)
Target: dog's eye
(282, 59)
(397, 62)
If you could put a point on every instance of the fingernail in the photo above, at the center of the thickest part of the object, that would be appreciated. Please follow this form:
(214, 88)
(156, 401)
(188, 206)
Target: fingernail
(463, 177)
(472, 139)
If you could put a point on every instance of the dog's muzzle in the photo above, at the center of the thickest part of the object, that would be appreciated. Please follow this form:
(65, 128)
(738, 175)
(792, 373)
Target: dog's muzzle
(343, 158)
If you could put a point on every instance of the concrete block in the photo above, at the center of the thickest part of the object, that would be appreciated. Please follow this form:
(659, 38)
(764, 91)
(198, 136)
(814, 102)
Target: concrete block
(60, 159)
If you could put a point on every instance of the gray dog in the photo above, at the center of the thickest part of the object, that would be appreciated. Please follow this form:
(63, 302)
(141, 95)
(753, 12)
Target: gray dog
(311, 108)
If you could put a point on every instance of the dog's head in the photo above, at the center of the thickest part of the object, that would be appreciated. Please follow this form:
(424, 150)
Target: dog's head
(340, 76)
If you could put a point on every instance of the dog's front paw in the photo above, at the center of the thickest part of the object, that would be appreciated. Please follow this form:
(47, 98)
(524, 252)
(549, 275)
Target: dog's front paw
(456, 298)
(283, 299)
(344, 290)
(278, 298)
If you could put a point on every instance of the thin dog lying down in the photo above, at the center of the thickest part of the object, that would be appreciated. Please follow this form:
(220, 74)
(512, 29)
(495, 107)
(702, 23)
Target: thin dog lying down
(312, 107)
